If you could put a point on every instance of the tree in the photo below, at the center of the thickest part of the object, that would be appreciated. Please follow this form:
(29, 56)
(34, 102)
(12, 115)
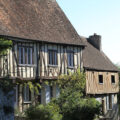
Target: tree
(73, 103)
(6, 86)
(4, 45)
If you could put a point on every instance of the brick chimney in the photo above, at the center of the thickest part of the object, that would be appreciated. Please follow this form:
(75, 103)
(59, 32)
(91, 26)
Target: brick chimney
(95, 40)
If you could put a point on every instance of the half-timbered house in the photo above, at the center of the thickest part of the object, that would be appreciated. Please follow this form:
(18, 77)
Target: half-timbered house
(45, 45)
(102, 79)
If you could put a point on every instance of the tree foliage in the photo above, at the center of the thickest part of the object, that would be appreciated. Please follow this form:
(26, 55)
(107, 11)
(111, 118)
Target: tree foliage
(71, 104)
(72, 101)
(43, 112)
(4, 45)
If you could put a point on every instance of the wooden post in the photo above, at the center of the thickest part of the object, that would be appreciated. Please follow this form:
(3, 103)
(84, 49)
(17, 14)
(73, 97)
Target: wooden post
(103, 106)
(20, 98)
(110, 101)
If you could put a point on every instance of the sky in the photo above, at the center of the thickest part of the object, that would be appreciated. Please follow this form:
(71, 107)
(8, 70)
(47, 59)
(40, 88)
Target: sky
(96, 16)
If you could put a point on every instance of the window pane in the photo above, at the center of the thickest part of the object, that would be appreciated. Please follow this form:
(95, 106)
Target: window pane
(27, 94)
(51, 91)
(31, 56)
(52, 57)
(19, 55)
(57, 91)
(47, 89)
(70, 59)
(39, 96)
(28, 55)
(101, 79)
(25, 55)
(112, 79)
(55, 58)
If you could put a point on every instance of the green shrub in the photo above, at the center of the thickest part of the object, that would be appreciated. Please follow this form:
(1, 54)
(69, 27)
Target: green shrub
(85, 110)
(43, 112)
(72, 101)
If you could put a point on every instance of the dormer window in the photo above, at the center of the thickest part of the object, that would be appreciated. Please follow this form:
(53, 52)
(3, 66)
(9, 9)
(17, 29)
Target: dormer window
(53, 57)
(112, 79)
(100, 79)
(70, 57)
(26, 55)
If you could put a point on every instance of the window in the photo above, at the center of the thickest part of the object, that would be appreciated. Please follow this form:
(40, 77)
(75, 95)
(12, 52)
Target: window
(27, 94)
(39, 96)
(112, 79)
(70, 57)
(107, 103)
(16, 95)
(49, 93)
(113, 101)
(25, 55)
(57, 91)
(21, 55)
(101, 79)
(53, 57)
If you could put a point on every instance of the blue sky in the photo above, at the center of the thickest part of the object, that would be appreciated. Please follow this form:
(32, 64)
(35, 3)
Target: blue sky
(96, 16)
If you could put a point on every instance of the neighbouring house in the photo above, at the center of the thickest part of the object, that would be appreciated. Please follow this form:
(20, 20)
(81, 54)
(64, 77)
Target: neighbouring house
(45, 45)
(102, 79)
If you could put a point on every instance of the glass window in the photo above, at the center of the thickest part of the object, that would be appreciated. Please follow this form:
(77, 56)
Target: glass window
(101, 79)
(39, 96)
(53, 57)
(112, 79)
(27, 94)
(25, 55)
(107, 102)
(49, 93)
(16, 95)
(70, 57)
(57, 91)
(21, 55)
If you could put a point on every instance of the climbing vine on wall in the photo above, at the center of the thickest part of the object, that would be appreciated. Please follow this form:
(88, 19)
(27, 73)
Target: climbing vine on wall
(6, 84)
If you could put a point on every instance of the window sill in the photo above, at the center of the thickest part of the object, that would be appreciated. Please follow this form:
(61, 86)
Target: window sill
(27, 102)
(70, 67)
(100, 83)
(52, 65)
(26, 65)
(113, 83)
